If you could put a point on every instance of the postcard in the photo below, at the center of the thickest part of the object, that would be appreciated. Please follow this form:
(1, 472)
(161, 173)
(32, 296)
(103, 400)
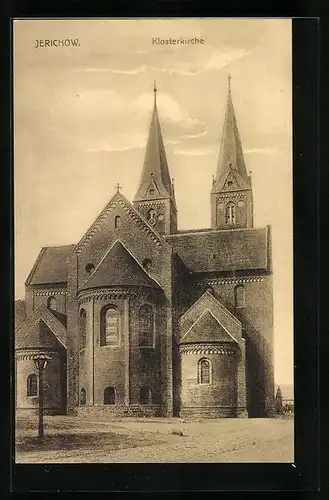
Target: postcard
(153, 240)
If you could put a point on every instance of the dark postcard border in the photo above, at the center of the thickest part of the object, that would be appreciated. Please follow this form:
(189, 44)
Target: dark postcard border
(303, 475)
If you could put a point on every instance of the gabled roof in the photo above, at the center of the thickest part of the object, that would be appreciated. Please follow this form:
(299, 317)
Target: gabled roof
(231, 157)
(41, 329)
(155, 180)
(225, 250)
(39, 336)
(207, 329)
(119, 268)
(51, 266)
(118, 198)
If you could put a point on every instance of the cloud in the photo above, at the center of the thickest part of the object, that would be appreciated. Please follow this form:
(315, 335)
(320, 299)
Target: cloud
(132, 71)
(193, 136)
(171, 111)
(194, 152)
(183, 63)
(260, 151)
(120, 143)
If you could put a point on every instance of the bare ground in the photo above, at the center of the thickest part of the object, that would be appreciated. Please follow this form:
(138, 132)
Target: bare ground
(96, 440)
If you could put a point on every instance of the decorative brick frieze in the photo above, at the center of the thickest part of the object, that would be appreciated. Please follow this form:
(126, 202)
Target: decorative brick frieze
(31, 353)
(107, 294)
(51, 292)
(228, 281)
(207, 349)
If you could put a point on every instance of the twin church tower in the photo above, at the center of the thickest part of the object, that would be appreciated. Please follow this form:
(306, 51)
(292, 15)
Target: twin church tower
(141, 318)
(231, 195)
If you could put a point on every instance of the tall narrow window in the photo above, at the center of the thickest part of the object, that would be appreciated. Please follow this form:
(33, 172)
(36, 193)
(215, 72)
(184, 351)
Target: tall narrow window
(240, 296)
(146, 326)
(230, 213)
(204, 369)
(110, 326)
(145, 396)
(51, 303)
(32, 385)
(83, 328)
(83, 397)
(109, 396)
(117, 221)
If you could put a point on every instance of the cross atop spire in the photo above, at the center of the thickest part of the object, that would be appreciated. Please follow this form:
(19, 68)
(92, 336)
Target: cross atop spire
(118, 187)
(155, 89)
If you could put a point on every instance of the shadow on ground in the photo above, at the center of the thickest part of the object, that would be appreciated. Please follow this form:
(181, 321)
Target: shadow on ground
(65, 442)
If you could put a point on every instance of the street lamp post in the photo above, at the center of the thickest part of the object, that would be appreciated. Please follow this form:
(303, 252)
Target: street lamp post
(41, 361)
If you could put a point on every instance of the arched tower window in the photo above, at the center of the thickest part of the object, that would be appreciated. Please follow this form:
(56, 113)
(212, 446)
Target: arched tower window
(83, 397)
(204, 371)
(230, 213)
(51, 303)
(145, 396)
(151, 216)
(110, 326)
(109, 396)
(83, 328)
(117, 221)
(240, 296)
(32, 385)
(146, 326)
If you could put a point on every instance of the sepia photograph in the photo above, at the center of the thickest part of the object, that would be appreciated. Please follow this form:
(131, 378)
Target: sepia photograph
(153, 227)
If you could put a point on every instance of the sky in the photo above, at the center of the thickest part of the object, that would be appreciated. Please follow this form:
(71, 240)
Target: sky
(81, 118)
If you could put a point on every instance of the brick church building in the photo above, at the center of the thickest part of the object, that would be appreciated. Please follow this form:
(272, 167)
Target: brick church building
(140, 318)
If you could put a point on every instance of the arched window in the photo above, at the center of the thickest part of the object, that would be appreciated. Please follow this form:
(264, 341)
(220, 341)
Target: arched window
(83, 397)
(204, 371)
(240, 296)
(51, 303)
(151, 216)
(146, 326)
(109, 396)
(110, 326)
(230, 213)
(83, 328)
(145, 396)
(117, 221)
(32, 385)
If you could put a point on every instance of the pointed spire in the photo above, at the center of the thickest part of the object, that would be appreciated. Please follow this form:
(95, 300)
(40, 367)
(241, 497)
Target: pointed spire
(155, 180)
(155, 89)
(231, 153)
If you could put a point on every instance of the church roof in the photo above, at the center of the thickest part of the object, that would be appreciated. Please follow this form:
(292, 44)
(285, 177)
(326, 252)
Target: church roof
(51, 266)
(39, 336)
(119, 268)
(44, 328)
(211, 251)
(231, 157)
(155, 180)
(207, 329)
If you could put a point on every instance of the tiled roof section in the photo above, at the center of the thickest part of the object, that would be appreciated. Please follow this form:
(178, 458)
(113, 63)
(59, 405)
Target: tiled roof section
(231, 153)
(39, 336)
(119, 268)
(212, 251)
(51, 266)
(207, 329)
(155, 173)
